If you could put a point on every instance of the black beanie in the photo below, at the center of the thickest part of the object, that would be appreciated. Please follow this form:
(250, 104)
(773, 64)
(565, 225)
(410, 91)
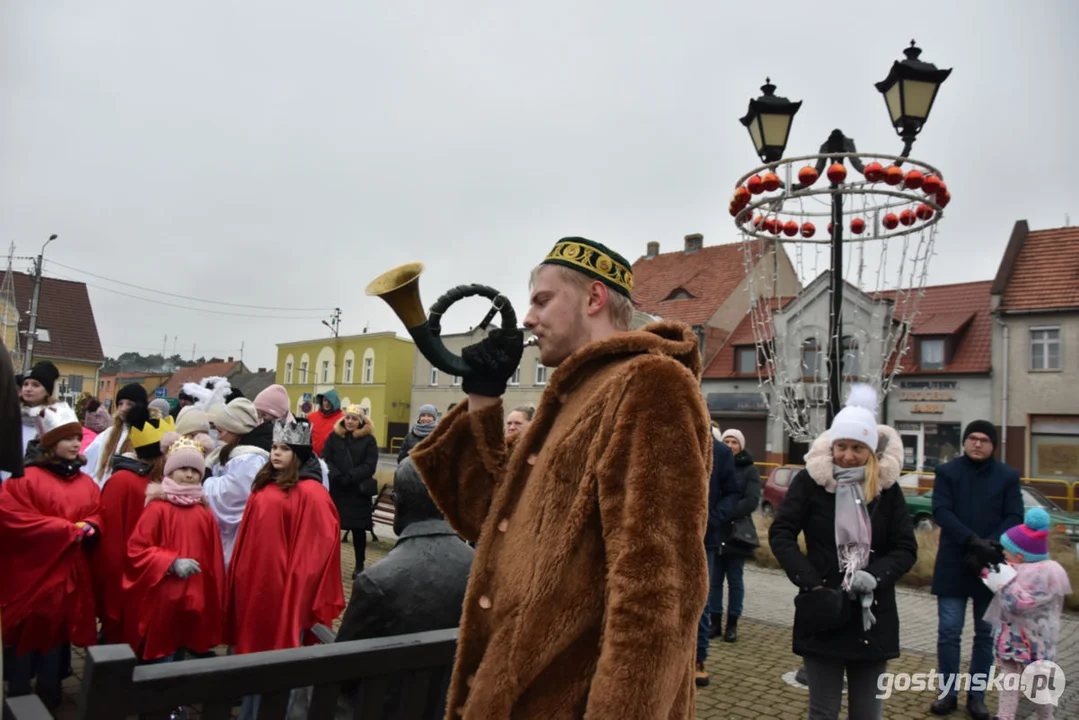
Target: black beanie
(46, 374)
(982, 426)
(134, 392)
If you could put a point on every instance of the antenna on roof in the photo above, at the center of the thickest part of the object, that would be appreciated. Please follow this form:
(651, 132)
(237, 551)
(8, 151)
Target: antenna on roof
(1067, 223)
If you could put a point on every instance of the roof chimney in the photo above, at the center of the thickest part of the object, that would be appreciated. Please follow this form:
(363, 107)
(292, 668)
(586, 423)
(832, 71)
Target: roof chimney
(653, 249)
(230, 358)
(694, 242)
(262, 370)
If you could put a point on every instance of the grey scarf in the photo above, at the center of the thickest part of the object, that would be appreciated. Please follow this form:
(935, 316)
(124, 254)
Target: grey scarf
(853, 533)
(422, 430)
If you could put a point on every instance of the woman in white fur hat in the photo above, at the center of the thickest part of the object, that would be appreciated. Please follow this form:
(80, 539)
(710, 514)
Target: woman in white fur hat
(859, 542)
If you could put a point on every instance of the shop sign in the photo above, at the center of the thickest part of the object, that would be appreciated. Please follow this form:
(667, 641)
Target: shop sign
(928, 396)
(927, 408)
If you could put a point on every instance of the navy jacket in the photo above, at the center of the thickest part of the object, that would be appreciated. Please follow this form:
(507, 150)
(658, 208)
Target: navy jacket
(983, 499)
(723, 494)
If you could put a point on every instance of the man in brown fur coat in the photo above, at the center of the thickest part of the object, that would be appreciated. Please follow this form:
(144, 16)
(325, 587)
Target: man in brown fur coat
(589, 575)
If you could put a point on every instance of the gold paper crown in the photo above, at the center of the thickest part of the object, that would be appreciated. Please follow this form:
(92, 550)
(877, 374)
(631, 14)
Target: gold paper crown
(186, 443)
(149, 435)
(595, 259)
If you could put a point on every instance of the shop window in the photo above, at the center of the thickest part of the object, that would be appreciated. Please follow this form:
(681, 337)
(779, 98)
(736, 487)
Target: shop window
(1045, 348)
(927, 445)
(931, 354)
(812, 359)
(747, 361)
(1054, 456)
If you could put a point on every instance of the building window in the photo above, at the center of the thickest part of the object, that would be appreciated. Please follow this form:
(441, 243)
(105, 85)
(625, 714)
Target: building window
(1045, 348)
(288, 373)
(747, 360)
(927, 445)
(303, 372)
(368, 370)
(456, 380)
(541, 373)
(516, 378)
(852, 366)
(1054, 447)
(932, 354)
(74, 383)
(325, 371)
(348, 371)
(812, 359)
(434, 377)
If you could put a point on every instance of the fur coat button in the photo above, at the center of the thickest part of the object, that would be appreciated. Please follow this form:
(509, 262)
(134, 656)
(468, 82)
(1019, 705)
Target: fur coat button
(532, 459)
(504, 525)
(485, 602)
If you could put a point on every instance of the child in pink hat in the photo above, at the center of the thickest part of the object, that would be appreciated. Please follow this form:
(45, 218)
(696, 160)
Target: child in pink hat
(1025, 612)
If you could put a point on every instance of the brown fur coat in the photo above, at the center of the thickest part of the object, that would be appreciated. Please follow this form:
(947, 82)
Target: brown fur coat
(589, 577)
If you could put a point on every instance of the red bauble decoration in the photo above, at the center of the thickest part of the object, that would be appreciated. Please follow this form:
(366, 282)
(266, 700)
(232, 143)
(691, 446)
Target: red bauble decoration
(907, 218)
(944, 198)
(771, 181)
(913, 180)
(893, 175)
(891, 221)
(807, 176)
(755, 185)
(808, 229)
(758, 222)
(857, 226)
(931, 185)
(777, 227)
(829, 228)
(733, 210)
(837, 173)
(768, 225)
(924, 212)
(790, 229)
(741, 196)
(874, 172)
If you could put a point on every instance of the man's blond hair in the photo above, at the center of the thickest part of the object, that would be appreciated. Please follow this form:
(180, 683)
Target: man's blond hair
(620, 306)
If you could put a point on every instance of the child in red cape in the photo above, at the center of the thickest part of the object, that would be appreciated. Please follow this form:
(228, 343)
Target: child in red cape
(123, 499)
(174, 582)
(48, 518)
(285, 574)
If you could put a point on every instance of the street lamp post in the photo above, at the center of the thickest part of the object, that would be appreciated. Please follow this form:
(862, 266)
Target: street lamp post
(909, 92)
(31, 336)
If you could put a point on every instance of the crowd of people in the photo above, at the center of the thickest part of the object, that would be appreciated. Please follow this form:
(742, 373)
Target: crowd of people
(583, 547)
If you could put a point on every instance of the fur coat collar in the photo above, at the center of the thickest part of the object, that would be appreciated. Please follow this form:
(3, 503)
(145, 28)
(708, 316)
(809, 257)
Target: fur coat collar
(215, 455)
(889, 454)
(362, 431)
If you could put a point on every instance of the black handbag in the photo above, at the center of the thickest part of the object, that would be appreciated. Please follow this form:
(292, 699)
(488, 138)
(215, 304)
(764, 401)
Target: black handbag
(744, 533)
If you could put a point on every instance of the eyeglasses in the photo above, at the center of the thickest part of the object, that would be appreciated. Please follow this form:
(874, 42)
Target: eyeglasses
(979, 439)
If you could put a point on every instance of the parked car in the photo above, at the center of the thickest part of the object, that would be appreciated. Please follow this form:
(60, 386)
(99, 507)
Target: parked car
(775, 487)
(921, 509)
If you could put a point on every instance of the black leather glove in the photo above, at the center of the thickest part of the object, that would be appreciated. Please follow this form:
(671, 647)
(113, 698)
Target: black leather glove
(982, 553)
(493, 361)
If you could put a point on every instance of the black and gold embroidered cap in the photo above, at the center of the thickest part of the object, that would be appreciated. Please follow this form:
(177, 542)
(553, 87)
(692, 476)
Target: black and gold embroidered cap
(593, 259)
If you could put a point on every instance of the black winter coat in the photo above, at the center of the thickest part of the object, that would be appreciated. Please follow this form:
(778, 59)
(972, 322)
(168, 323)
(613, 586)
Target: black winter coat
(971, 498)
(748, 482)
(722, 493)
(352, 459)
(808, 507)
(11, 448)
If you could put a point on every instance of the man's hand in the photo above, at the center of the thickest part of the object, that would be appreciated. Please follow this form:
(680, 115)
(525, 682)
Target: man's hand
(493, 361)
(182, 567)
(982, 553)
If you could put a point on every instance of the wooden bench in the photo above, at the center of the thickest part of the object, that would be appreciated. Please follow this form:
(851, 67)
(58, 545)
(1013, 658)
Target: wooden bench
(383, 512)
(115, 687)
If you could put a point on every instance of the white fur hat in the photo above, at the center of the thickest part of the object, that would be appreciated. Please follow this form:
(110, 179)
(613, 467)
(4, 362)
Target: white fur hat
(858, 420)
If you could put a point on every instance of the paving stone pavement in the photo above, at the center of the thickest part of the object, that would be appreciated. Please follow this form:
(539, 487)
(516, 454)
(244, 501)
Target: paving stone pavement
(747, 676)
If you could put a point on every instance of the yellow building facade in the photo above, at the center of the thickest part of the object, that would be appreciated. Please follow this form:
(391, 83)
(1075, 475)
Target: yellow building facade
(372, 370)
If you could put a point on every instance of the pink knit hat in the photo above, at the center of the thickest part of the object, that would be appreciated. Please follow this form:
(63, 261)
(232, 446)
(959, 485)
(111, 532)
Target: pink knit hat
(185, 453)
(273, 401)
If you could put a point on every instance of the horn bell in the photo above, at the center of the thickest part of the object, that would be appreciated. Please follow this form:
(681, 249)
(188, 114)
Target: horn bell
(400, 289)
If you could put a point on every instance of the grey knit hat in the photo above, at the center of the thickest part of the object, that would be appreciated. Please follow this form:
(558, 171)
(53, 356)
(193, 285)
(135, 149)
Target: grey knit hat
(239, 416)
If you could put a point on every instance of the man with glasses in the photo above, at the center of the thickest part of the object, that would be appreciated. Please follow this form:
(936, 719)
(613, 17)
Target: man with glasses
(975, 499)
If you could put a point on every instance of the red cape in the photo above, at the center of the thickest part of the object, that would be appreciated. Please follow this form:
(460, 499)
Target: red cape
(122, 500)
(164, 611)
(45, 582)
(285, 574)
(321, 427)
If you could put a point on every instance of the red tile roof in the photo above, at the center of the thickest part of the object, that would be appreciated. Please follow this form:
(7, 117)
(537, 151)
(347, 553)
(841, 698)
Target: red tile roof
(709, 275)
(1044, 270)
(198, 372)
(64, 310)
(961, 311)
(723, 365)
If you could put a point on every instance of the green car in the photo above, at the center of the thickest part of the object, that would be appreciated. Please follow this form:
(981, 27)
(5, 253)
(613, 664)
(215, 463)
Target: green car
(921, 509)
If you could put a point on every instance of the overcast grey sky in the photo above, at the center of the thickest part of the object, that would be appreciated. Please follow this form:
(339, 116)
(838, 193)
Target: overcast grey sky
(282, 154)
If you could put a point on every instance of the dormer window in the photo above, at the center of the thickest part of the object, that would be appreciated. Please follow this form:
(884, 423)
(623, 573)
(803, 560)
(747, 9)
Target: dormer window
(746, 360)
(681, 294)
(931, 354)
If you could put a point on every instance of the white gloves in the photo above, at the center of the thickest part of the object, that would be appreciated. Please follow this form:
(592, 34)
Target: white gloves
(997, 576)
(862, 583)
(182, 567)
